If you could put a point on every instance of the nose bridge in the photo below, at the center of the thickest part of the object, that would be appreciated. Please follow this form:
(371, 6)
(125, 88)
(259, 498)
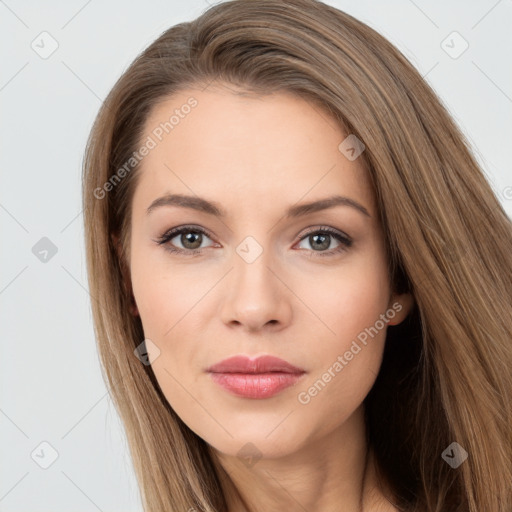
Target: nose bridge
(256, 297)
(253, 281)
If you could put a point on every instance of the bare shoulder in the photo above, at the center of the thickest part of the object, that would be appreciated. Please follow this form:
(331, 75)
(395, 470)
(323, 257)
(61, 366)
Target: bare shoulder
(377, 501)
(378, 494)
(381, 505)
(387, 507)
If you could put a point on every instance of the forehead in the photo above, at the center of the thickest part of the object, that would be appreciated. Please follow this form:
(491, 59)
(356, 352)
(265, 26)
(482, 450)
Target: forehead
(227, 143)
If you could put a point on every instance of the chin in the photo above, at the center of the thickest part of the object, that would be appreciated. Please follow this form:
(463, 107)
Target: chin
(259, 442)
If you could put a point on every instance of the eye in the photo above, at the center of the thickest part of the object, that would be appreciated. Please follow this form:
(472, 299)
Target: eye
(321, 238)
(190, 237)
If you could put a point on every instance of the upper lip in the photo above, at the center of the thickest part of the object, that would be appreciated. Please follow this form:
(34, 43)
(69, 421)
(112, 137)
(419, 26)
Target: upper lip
(262, 364)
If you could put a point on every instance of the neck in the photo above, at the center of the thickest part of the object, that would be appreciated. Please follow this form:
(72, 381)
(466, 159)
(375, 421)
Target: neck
(335, 472)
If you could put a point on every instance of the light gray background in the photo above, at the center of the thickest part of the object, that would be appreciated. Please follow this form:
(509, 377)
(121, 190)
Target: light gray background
(52, 389)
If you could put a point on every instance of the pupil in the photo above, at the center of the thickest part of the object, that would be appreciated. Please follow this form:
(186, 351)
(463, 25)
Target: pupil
(189, 240)
(324, 244)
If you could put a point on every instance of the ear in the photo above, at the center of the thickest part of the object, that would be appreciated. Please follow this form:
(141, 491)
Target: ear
(127, 282)
(402, 305)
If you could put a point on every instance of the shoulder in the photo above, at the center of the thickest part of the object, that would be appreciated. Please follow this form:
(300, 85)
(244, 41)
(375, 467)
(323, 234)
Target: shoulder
(380, 504)
(378, 496)
(376, 501)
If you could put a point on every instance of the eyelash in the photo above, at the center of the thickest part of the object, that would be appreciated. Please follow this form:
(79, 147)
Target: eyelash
(345, 241)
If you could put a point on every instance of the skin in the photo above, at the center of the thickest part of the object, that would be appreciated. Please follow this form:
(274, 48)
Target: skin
(256, 156)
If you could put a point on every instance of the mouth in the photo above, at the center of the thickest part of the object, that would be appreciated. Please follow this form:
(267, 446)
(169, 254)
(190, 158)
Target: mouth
(258, 378)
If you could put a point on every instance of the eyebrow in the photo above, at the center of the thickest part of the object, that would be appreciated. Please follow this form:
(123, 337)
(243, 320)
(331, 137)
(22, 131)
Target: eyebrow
(213, 208)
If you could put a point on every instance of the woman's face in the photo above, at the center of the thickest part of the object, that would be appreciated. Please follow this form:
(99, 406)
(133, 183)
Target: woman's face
(265, 282)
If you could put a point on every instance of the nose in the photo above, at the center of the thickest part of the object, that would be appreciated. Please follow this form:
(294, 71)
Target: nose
(257, 298)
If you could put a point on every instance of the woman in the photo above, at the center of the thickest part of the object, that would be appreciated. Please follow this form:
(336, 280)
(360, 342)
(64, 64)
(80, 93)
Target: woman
(302, 281)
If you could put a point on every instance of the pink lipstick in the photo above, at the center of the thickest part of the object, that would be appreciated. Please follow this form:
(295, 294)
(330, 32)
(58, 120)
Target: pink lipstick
(258, 378)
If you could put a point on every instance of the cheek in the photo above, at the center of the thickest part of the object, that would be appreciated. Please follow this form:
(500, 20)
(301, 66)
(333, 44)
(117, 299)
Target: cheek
(162, 294)
(357, 308)
(151, 300)
(349, 346)
(349, 299)
(170, 309)
(353, 350)
(157, 300)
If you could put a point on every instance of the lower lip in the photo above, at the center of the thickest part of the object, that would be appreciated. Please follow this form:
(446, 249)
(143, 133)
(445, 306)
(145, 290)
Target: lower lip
(256, 385)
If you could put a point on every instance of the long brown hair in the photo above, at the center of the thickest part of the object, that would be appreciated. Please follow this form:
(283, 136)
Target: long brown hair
(446, 372)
